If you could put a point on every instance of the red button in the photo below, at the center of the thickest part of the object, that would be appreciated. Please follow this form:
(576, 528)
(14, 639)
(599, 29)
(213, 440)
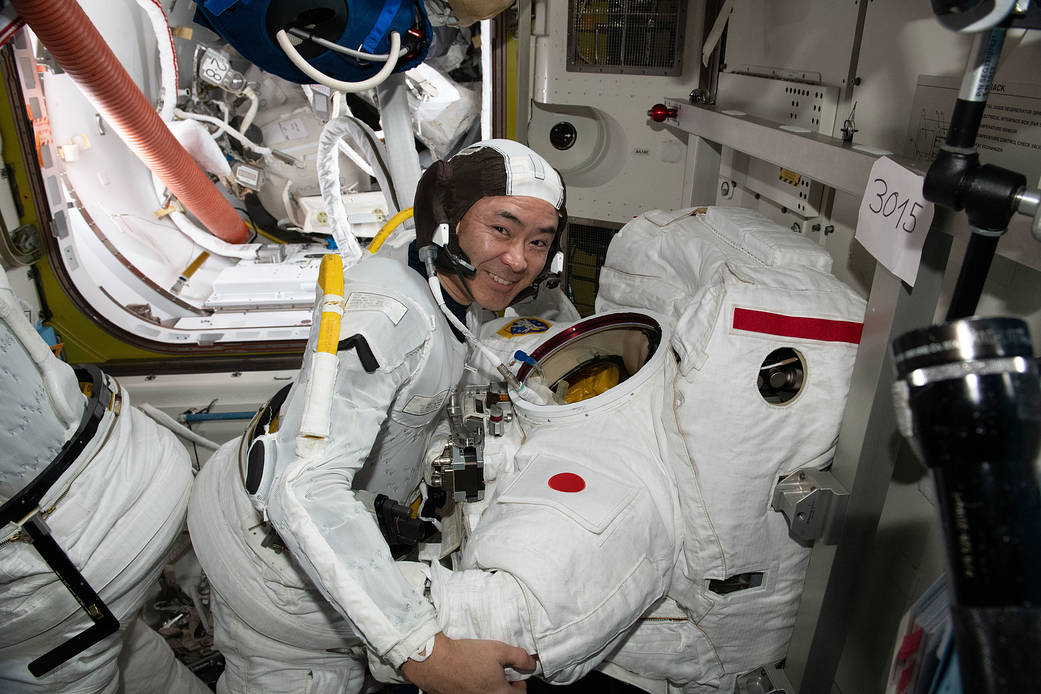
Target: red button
(659, 112)
(567, 482)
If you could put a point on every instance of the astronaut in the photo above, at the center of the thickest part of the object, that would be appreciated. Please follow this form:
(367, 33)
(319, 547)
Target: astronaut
(93, 498)
(631, 528)
(300, 478)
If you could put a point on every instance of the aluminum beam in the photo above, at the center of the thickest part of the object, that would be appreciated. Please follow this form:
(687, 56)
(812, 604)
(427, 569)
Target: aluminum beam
(821, 157)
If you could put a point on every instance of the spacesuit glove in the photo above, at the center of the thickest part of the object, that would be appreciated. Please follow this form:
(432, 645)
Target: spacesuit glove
(468, 666)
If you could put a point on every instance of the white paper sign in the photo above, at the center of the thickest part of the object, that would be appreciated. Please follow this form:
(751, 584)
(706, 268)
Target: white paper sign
(894, 218)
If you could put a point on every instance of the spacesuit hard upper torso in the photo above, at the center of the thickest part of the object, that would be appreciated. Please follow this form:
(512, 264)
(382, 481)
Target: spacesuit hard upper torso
(115, 512)
(381, 422)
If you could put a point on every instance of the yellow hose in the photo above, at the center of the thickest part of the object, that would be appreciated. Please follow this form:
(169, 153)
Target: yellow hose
(392, 224)
(330, 281)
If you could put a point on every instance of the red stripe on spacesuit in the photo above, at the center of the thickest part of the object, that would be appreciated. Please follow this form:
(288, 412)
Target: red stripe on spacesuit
(797, 326)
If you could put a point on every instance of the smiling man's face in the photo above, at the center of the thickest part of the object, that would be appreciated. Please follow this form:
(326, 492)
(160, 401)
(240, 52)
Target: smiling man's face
(507, 239)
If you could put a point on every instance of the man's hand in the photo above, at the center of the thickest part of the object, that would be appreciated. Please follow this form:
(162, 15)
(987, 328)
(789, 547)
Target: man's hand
(468, 666)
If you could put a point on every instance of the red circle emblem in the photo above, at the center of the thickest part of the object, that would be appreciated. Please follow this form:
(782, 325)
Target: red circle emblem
(567, 482)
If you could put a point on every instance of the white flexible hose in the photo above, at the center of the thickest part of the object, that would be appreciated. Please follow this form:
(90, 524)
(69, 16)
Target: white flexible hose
(210, 243)
(202, 238)
(167, 60)
(321, 78)
(254, 103)
(60, 380)
(329, 178)
(176, 427)
(224, 127)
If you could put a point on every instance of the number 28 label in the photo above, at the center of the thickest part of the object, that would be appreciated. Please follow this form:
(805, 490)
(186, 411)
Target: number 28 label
(894, 218)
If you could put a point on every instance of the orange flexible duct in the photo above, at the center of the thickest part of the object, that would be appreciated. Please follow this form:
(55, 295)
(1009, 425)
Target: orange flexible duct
(80, 50)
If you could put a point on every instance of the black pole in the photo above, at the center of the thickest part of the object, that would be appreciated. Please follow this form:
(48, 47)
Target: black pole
(973, 275)
(956, 179)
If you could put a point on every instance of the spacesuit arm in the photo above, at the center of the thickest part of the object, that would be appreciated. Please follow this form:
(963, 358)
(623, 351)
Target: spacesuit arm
(567, 580)
(316, 512)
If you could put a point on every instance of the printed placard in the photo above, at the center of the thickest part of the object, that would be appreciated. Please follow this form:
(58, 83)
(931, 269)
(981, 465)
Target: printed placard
(367, 301)
(420, 405)
(894, 218)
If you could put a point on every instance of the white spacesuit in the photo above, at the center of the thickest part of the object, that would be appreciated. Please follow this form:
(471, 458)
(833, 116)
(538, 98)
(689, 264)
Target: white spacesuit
(115, 511)
(636, 533)
(266, 619)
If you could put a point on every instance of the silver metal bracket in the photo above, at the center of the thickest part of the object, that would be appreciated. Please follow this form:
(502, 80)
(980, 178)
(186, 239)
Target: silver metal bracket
(459, 470)
(814, 503)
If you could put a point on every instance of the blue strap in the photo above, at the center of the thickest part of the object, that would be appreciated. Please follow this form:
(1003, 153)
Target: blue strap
(379, 29)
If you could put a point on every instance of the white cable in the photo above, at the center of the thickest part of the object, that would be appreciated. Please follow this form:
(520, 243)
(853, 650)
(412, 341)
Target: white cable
(287, 203)
(176, 427)
(225, 115)
(167, 60)
(254, 103)
(353, 155)
(324, 43)
(224, 127)
(529, 394)
(321, 78)
(223, 109)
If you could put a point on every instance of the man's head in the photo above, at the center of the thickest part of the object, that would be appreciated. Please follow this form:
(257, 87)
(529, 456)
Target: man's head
(503, 205)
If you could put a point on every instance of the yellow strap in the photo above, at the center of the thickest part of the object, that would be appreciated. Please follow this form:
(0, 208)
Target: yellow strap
(195, 265)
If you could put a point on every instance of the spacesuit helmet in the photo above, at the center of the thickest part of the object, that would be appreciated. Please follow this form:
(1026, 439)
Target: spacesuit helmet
(449, 188)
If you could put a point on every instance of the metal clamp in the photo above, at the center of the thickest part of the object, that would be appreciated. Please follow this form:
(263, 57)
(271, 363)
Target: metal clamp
(459, 470)
(814, 504)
